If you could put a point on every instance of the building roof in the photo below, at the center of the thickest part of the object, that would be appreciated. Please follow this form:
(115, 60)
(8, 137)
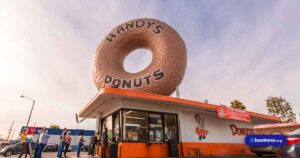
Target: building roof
(106, 94)
(278, 125)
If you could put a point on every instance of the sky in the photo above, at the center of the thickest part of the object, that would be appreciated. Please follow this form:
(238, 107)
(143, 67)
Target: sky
(236, 49)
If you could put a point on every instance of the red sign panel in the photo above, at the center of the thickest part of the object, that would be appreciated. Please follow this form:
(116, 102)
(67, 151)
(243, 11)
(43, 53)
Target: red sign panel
(31, 130)
(231, 113)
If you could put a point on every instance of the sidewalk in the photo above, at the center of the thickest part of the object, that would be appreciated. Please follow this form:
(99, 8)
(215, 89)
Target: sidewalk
(85, 155)
(53, 155)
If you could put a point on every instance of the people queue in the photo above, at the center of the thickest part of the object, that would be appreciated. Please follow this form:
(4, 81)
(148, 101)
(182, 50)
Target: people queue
(98, 142)
(65, 141)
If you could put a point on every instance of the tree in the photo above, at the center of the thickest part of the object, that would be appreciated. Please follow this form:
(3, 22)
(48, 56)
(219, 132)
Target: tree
(55, 126)
(279, 107)
(237, 104)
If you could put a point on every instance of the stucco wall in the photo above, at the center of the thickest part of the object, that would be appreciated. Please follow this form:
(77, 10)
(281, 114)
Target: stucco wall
(218, 129)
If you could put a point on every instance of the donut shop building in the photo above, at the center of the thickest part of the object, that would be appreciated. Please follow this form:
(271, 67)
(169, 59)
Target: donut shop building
(136, 108)
(142, 125)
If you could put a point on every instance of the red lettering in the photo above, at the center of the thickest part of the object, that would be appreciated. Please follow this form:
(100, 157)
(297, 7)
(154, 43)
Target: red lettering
(240, 131)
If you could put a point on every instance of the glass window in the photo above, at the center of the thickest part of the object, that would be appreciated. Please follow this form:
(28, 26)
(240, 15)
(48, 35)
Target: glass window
(116, 134)
(155, 127)
(107, 122)
(135, 124)
(170, 122)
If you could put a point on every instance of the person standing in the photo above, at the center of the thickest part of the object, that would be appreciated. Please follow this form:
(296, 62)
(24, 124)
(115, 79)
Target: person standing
(62, 143)
(68, 142)
(93, 144)
(98, 138)
(80, 143)
(26, 150)
(42, 142)
(104, 141)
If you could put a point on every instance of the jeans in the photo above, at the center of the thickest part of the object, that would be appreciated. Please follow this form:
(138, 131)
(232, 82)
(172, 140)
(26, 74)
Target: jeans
(61, 149)
(78, 150)
(36, 151)
(66, 149)
(39, 149)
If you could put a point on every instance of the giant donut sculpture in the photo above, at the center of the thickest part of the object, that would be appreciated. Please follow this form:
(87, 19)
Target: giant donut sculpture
(166, 69)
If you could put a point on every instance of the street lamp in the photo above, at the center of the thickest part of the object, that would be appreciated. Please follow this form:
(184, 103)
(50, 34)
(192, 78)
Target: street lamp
(33, 101)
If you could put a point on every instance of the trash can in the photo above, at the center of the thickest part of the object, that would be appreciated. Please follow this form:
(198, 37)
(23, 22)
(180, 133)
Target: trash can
(173, 148)
(113, 150)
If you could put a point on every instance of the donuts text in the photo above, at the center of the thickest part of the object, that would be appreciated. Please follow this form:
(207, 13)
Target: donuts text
(134, 83)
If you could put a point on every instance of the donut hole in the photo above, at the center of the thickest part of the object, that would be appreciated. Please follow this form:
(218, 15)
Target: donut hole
(137, 60)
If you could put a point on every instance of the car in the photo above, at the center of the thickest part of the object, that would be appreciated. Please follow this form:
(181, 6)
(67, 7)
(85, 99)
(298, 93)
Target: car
(70, 148)
(261, 150)
(3, 145)
(292, 147)
(15, 149)
(85, 148)
(51, 148)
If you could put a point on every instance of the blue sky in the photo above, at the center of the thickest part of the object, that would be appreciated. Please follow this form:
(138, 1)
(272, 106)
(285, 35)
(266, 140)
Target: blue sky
(246, 50)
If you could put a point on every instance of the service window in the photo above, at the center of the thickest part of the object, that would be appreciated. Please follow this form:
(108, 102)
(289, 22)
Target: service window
(107, 122)
(116, 123)
(155, 127)
(135, 125)
(170, 126)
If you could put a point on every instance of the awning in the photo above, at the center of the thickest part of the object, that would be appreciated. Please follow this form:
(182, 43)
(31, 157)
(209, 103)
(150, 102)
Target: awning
(91, 110)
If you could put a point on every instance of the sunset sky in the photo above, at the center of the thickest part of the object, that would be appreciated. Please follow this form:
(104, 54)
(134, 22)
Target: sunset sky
(237, 49)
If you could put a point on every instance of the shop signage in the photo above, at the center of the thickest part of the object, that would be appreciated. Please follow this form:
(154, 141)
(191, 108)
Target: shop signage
(134, 83)
(231, 113)
(31, 130)
(166, 70)
(153, 25)
(200, 129)
(238, 131)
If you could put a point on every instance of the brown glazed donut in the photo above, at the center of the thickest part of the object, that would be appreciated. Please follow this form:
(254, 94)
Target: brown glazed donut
(168, 63)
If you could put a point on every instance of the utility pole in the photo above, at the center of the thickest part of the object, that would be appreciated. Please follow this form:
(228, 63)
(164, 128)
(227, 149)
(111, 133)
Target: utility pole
(33, 101)
(9, 131)
(177, 92)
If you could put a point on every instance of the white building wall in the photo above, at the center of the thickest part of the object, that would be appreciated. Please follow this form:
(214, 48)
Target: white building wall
(219, 129)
